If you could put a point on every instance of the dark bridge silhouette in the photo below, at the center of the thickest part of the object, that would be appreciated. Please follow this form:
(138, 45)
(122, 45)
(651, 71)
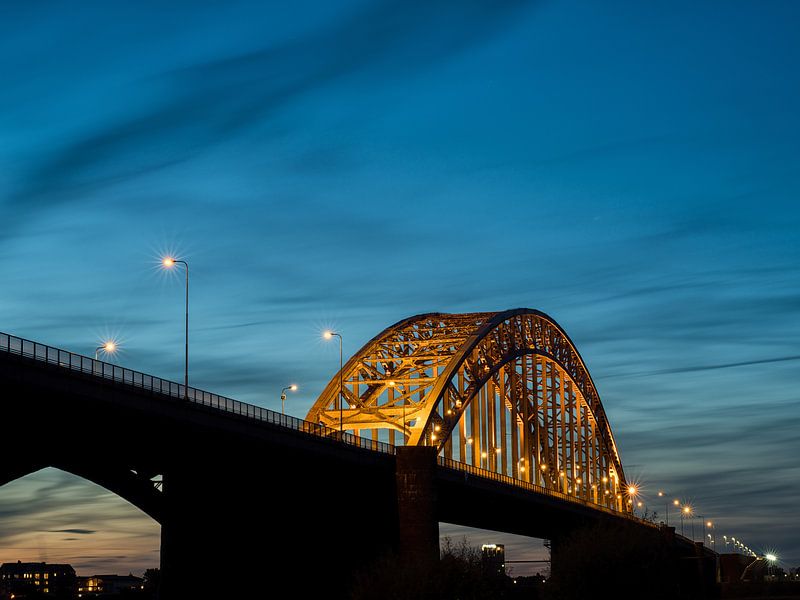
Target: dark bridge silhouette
(505, 430)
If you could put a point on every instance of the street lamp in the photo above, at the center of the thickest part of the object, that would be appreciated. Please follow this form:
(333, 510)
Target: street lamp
(328, 335)
(108, 347)
(708, 524)
(392, 385)
(666, 505)
(169, 262)
(686, 510)
(293, 388)
(632, 492)
(771, 559)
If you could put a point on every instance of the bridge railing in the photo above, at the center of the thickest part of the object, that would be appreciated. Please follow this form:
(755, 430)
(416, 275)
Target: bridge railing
(478, 472)
(84, 364)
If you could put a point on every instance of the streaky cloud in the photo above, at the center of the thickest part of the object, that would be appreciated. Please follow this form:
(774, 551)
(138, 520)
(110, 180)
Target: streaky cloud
(212, 102)
(746, 363)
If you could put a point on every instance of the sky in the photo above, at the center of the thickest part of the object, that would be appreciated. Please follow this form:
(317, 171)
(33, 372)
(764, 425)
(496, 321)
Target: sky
(629, 168)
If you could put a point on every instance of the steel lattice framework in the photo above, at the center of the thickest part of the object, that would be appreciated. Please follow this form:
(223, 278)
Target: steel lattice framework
(503, 391)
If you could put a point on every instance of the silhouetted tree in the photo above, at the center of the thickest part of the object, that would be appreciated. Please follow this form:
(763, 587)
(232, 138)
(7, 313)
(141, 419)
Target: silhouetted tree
(458, 575)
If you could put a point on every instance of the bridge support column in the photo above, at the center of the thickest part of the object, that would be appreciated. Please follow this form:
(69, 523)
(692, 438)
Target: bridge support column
(416, 504)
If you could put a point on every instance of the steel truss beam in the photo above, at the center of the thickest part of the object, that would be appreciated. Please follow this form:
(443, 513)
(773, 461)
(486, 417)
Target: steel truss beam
(505, 391)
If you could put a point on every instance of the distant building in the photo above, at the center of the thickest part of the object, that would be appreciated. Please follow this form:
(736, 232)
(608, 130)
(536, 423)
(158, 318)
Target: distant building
(109, 584)
(493, 558)
(21, 579)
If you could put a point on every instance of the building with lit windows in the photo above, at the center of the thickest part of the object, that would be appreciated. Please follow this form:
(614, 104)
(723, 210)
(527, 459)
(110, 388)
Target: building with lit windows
(109, 584)
(493, 559)
(21, 579)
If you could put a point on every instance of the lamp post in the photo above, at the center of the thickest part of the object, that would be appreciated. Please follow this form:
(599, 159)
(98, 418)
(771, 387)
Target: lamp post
(108, 347)
(771, 559)
(632, 492)
(687, 510)
(391, 384)
(708, 524)
(169, 262)
(293, 388)
(666, 506)
(328, 335)
(663, 494)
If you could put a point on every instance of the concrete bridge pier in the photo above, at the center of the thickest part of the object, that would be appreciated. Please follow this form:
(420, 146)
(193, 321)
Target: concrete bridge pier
(247, 528)
(416, 504)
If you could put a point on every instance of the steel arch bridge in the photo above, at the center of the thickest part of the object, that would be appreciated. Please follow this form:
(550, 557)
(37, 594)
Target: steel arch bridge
(507, 392)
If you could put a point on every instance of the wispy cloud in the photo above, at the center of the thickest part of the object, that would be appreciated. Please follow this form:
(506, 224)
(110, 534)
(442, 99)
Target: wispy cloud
(211, 102)
(692, 369)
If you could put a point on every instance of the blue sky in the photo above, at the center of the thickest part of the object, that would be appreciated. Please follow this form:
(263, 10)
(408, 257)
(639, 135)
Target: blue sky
(629, 168)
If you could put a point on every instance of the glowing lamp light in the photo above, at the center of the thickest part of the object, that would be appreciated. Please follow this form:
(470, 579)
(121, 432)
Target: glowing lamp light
(327, 334)
(109, 347)
(771, 557)
(632, 491)
(676, 502)
(168, 262)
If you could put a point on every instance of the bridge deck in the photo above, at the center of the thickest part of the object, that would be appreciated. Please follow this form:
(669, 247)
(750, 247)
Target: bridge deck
(73, 362)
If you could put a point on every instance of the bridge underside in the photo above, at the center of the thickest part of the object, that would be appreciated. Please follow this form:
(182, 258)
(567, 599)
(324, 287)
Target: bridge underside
(232, 495)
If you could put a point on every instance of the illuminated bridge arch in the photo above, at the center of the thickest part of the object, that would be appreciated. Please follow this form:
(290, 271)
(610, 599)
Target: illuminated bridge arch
(503, 391)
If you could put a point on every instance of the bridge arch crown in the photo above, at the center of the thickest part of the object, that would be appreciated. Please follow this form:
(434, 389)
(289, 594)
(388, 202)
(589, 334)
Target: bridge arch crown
(506, 391)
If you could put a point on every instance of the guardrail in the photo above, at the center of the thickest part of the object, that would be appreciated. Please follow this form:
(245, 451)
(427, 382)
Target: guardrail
(478, 472)
(83, 364)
